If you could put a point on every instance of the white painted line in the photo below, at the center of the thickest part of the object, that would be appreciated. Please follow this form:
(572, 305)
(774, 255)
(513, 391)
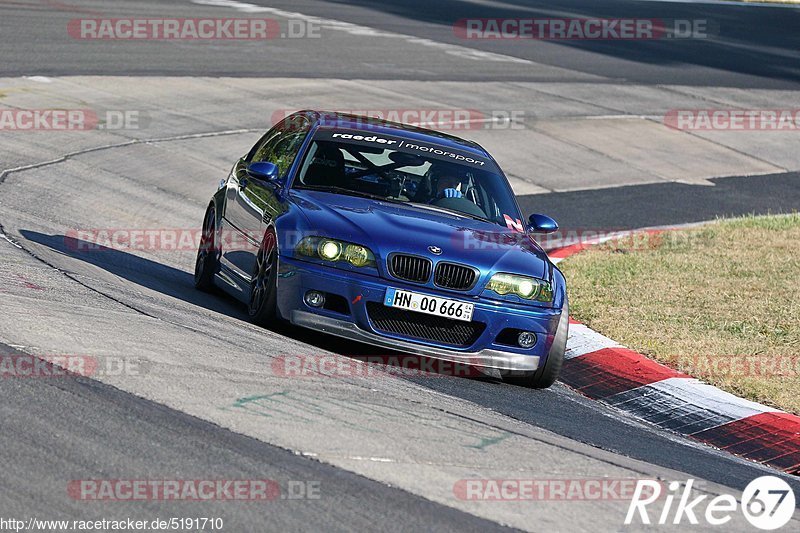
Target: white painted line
(131, 142)
(365, 31)
(732, 3)
(622, 117)
(491, 120)
(10, 241)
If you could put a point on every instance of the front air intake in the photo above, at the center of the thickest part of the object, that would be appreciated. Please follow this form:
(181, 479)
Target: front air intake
(410, 268)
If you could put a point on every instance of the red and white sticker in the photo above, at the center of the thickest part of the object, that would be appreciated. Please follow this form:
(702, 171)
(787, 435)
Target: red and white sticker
(514, 224)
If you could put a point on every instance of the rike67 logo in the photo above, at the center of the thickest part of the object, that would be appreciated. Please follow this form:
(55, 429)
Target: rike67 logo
(767, 503)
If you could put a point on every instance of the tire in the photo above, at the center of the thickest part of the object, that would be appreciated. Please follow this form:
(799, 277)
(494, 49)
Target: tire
(207, 261)
(262, 307)
(547, 374)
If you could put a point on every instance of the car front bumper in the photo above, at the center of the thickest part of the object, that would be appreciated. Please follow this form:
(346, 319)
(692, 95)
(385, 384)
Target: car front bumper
(296, 278)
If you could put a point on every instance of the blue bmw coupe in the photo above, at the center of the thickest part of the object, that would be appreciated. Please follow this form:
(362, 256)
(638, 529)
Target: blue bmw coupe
(392, 235)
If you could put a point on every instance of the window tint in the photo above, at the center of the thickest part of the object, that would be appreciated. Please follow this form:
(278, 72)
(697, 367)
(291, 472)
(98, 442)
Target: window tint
(400, 175)
(281, 144)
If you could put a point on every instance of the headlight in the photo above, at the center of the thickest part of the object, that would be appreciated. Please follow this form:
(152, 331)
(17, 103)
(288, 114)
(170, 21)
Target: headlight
(330, 250)
(334, 250)
(522, 286)
(357, 255)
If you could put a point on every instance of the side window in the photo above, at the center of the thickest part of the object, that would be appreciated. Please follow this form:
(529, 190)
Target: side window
(281, 145)
(259, 151)
(285, 150)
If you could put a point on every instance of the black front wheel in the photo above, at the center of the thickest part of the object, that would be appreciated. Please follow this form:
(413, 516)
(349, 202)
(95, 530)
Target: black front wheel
(207, 262)
(264, 285)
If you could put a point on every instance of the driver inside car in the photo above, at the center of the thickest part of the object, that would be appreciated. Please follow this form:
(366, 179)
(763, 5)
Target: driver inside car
(444, 181)
(447, 186)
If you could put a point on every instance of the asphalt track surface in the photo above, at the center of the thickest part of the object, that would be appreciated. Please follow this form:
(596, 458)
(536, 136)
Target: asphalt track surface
(663, 204)
(57, 430)
(46, 444)
(753, 47)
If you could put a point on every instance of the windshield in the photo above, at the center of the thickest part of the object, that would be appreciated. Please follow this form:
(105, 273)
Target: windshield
(395, 169)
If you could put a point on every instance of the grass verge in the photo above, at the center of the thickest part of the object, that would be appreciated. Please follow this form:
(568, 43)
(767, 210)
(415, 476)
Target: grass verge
(720, 302)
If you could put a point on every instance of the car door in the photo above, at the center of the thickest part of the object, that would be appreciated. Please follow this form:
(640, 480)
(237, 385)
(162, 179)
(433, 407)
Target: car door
(252, 203)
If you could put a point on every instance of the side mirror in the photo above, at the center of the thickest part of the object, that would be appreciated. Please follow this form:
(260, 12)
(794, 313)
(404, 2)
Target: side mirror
(263, 171)
(541, 224)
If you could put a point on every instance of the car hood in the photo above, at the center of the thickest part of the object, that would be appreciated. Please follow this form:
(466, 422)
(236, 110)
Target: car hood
(387, 227)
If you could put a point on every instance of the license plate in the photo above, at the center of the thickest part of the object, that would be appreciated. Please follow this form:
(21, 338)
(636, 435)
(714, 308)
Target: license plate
(430, 305)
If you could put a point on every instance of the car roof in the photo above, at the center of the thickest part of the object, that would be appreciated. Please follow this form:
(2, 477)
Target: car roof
(387, 127)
